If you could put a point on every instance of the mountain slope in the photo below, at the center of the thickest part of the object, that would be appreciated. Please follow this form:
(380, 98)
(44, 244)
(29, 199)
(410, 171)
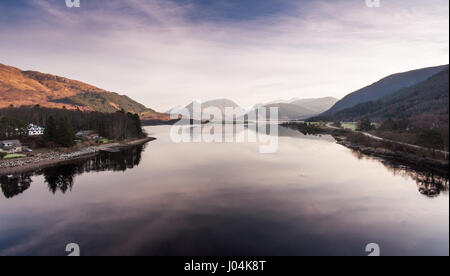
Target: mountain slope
(22, 88)
(427, 98)
(288, 111)
(317, 105)
(385, 87)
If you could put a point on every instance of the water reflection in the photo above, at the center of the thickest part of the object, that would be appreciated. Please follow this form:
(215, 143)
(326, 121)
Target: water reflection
(61, 178)
(312, 197)
(429, 183)
(14, 185)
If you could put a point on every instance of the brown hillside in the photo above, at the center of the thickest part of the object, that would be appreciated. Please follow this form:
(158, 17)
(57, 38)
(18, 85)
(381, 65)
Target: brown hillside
(25, 88)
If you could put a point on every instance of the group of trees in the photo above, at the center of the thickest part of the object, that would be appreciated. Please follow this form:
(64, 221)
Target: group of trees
(423, 132)
(12, 128)
(61, 124)
(59, 131)
(429, 132)
(365, 125)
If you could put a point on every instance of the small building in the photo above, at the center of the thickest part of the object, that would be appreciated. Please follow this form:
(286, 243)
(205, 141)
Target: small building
(11, 146)
(34, 130)
(87, 134)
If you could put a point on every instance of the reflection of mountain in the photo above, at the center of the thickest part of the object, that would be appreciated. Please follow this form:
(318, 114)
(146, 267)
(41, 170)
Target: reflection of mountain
(14, 185)
(62, 178)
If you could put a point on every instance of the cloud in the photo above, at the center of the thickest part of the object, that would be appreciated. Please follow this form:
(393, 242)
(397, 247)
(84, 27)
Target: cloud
(165, 53)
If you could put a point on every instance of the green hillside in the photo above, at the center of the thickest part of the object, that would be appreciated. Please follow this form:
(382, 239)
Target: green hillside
(106, 102)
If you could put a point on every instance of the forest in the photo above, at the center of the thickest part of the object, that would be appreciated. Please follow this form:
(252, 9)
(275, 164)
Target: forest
(62, 122)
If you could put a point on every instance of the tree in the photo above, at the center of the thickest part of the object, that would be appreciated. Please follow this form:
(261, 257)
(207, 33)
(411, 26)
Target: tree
(430, 138)
(337, 124)
(138, 125)
(50, 129)
(365, 124)
(389, 124)
(65, 134)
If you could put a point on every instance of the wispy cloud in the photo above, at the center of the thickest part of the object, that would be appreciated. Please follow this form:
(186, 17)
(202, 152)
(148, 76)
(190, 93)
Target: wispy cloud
(165, 53)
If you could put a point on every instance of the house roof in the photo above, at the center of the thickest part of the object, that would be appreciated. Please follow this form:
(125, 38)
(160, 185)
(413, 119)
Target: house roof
(84, 132)
(14, 143)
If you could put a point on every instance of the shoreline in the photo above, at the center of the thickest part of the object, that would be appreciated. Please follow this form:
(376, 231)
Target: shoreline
(27, 164)
(412, 156)
(413, 161)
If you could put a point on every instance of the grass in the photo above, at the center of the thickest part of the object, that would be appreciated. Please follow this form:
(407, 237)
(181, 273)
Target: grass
(12, 156)
(103, 141)
(349, 125)
(316, 123)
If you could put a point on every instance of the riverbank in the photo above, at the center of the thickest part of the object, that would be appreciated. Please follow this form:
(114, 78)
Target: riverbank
(412, 160)
(415, 157)
(49, 159)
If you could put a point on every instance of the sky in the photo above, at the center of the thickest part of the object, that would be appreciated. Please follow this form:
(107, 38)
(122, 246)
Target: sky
(165, 53)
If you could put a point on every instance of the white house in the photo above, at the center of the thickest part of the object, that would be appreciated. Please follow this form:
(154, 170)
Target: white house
(10, 146)
(34, 130)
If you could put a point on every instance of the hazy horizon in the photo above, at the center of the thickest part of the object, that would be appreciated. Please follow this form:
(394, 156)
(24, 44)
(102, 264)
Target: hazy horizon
(167, 53)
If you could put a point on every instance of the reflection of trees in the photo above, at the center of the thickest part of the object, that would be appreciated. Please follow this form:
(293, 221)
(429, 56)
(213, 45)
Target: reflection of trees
(14, 185)
(62, 177)
(429, 184)
(127, 158)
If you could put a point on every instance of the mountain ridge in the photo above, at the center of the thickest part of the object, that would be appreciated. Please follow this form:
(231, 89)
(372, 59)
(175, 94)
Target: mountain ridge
(427, 98)
(385, 86)
(28, 88)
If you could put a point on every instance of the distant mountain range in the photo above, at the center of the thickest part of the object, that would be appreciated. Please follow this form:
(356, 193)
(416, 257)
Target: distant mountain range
(300, 109)
(384, 87)
(295, 109)
(427, 98)
(220, 104)
(26, 88)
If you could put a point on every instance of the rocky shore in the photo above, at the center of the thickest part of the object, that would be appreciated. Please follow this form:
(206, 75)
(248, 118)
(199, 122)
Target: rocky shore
(49, 159)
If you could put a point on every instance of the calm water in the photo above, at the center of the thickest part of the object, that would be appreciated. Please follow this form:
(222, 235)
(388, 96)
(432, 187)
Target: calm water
(312, 197)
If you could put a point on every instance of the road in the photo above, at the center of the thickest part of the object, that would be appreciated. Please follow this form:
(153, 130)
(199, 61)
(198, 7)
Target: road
(392, 141)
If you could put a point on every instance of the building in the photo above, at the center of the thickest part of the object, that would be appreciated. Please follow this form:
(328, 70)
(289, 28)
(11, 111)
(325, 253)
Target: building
(87, 134)
(10, 146)
(34, 130)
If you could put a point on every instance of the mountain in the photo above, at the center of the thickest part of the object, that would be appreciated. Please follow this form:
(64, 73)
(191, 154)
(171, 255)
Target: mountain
(299, 109)
(288, 111)
(221, 104)
(385, 87)
(24, 88)
(317, 105)
(429, 98)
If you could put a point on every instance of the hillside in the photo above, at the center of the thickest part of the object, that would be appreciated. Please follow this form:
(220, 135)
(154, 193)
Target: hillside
(385, 87)
(25, 88)
(427, 98)
(288, 111)
(317, 105)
